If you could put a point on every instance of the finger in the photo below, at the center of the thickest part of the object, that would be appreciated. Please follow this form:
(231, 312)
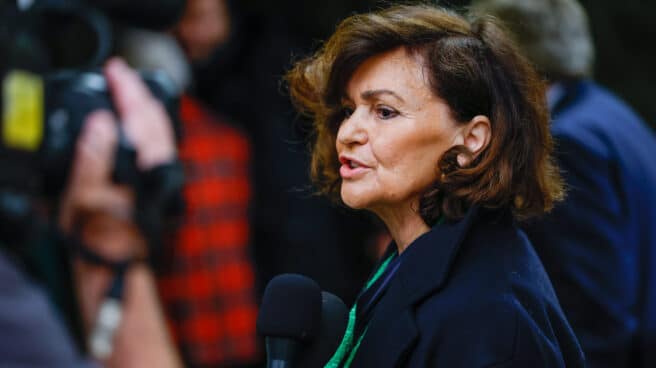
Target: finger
(144, 119)
(96, 149)
(151, 133)
(129, 93)
(92, 164)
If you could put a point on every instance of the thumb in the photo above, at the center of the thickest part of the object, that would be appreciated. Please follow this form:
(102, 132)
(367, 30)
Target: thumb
(92, 165)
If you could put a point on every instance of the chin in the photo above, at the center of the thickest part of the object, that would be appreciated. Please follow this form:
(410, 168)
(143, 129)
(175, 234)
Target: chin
(354, 199)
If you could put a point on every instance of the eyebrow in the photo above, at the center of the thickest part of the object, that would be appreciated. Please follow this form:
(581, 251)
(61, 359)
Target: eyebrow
(369, 95)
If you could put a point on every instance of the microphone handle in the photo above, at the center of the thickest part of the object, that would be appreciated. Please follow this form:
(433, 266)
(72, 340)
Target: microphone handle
(281, 352)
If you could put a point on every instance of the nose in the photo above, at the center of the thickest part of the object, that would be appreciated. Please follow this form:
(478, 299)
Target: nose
(352, 131)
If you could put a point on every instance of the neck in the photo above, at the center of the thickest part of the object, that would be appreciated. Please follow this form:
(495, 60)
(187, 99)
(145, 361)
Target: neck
(404, 224)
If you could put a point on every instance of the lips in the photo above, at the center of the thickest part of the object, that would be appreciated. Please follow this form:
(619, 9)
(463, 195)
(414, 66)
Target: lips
(351, 168)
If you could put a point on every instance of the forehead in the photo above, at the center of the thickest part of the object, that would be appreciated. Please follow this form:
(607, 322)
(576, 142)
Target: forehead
(396, 70)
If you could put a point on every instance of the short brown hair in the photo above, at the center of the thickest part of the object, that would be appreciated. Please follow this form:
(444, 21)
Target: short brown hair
(471, 65)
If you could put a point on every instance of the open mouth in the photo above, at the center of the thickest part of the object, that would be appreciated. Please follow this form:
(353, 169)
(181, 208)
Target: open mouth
(351, 163)
(351, 168)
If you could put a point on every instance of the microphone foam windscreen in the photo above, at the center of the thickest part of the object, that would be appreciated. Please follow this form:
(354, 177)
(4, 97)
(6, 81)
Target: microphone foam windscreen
(291, 308)
(334, 319)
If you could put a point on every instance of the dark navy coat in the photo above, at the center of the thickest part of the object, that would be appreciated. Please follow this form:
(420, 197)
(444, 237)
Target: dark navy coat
(31, 334)
(469, 294)
(599, 246)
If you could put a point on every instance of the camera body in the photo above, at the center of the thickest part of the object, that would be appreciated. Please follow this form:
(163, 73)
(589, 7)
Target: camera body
(45, 117)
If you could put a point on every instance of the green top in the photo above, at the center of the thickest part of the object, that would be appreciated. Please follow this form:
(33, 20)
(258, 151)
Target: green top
(346, 348)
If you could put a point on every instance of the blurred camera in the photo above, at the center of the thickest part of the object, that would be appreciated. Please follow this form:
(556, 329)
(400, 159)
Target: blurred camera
(50, 57)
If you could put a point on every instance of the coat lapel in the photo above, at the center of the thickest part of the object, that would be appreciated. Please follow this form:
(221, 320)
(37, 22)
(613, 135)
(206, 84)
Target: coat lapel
(427, 262)
(390, 335)
(392, 332)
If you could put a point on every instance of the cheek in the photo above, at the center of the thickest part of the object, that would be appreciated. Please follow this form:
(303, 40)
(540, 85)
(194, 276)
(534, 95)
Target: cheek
(391, 146)
(409, 163)
(406, 153)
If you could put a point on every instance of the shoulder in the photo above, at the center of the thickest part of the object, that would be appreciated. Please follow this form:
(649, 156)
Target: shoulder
(504, 331)
(26, 313)
(497, 306)
(603, 147)
(599, 122)
(519, 328)
(593, 102)
(497, 271)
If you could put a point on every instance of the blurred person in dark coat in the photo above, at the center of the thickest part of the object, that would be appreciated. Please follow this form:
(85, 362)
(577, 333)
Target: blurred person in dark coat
(599, 246)
(238, 61)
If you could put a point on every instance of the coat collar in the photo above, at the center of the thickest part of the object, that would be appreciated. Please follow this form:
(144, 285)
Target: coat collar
(425, 266)
(427, 261)
(562, 95)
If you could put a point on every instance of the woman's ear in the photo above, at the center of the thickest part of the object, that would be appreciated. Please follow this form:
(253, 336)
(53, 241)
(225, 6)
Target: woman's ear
(476, 137)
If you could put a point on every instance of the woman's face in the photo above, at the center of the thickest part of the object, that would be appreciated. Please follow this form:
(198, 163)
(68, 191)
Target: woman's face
(393, 134)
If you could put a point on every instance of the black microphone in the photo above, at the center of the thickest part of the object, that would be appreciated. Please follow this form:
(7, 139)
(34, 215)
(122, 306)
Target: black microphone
(152, 14)
(334, 319)
(289, 317)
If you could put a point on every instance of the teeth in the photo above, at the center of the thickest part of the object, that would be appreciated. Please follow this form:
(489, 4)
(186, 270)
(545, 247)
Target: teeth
(353, 165)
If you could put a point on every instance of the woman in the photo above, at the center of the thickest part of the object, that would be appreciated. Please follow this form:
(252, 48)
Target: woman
(439, 127)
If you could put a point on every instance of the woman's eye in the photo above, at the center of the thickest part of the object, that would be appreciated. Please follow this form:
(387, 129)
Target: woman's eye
(385, 112)
(347, 112)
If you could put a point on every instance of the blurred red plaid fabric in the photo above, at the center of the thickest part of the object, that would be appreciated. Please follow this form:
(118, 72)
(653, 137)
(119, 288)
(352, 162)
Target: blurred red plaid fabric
(208, 286)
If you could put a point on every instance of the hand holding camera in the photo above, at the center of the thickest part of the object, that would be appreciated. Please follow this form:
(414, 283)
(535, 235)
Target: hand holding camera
(100, 212)
(92, 202)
